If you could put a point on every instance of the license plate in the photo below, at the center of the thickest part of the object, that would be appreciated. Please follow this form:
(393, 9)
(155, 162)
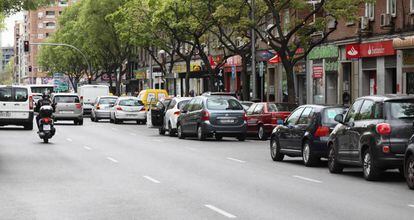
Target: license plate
(46, 128)
(66, 112)
(129, 115)
(5, 114)
(227, 121)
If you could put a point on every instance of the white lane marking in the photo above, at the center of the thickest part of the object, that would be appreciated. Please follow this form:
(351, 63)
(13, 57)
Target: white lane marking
(114, 129)
(87, 148)
(69, 139)
(112, 159)
(412, 206)
(133, 134)
(190, 148)
(158, 140)
(307, 179)
(237, 160)
(220, 211)
(151, 179)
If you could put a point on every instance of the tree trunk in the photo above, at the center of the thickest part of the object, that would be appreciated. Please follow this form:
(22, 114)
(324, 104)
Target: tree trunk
(118, 81)
(290, 82)
(187, 76)
(245, 79)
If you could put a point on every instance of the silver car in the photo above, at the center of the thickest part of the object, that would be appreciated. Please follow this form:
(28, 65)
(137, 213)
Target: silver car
(101, 109)
(67, 108)
(128, 108)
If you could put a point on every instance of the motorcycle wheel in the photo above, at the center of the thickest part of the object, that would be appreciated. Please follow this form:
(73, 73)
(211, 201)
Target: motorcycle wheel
(45, 140)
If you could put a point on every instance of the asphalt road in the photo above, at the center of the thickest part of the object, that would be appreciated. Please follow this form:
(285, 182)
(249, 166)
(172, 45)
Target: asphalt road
(104, 171)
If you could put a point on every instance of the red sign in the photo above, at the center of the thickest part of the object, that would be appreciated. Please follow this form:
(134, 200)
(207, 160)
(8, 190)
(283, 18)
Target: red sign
(278, 59)
(317, 72)
(376, 49)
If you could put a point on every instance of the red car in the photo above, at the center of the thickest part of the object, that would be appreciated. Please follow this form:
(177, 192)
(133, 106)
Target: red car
(262, 117)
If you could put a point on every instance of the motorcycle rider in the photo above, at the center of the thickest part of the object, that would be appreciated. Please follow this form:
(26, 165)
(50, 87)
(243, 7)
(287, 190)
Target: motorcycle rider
(42, 102)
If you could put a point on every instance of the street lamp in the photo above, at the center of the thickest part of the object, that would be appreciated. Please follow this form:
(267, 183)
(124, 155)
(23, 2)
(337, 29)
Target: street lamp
(162, 55)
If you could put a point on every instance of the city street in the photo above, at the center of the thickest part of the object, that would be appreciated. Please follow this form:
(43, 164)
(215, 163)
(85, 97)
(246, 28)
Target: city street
(106, 171)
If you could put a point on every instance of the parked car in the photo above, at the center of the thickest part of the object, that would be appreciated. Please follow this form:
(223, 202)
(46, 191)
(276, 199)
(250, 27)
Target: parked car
(263, 117)
(409, 164)
(127, 108)
(89, 93)
(67, 108)
(373, 135)
(304, 133)
(16, 106)
(205, 116)
(157, 112)
(246, 104)
(172, 111)
(101, 107)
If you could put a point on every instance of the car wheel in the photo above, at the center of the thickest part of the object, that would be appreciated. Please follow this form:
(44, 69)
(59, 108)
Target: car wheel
(116, 121)
(200, 133)
(161, 131)
(333, 165)
(218, 137)
(180, 132)
(275, 151)
(371, 172)
(28, 126)
(409, 171)
(80, 122)
(75, 122)
(307, 155)
(170, 130)
(261, 134)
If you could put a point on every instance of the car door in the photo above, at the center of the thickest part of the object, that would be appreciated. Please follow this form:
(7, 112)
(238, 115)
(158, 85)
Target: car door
(285, 133)
(169, 112)
(185, 116)
(298, 130)
(250, 118)
(345, 132)
(256, 117)
(195, 114)
(157, 114)
(6, 102)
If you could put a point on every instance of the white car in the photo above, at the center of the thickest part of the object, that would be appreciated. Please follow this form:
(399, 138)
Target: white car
(172, 113)
(88, 95)
(16, 106)
(128, 108)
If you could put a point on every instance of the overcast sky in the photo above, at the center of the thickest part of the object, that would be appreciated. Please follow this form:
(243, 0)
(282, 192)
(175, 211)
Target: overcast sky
(7, 38)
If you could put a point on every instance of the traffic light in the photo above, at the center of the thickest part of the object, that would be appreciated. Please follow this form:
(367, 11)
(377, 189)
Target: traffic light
(30, 68)
(26, 46)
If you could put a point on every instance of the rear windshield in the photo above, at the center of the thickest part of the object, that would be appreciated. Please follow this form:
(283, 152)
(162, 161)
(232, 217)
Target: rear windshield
(282, 107)
(223, 103)
(182, 104)
(130, 102)
(402, 110)
(107, 101)
(328, 117)
(20, 95)
(67, 99)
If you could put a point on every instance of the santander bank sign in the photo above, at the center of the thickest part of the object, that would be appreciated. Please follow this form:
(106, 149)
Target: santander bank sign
(376, 49)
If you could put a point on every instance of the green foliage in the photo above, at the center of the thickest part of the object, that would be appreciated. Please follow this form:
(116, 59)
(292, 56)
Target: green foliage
(13, 6)
(6, 77)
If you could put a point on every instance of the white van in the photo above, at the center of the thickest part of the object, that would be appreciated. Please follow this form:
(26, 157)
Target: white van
(89, 93)
(16, 106)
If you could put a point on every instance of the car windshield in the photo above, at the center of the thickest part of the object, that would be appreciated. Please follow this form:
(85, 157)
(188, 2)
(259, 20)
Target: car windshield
(130, 102)
(402, 110)
(182, 104)
(223, 103)
(107, 101)
(37, 97)
(282, 107)
(67, 99)
(328, 117)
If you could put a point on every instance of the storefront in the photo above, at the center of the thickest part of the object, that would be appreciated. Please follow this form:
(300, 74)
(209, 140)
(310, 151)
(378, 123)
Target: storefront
(405, 63)
(198, 79)
(377, 67)
(323, 75)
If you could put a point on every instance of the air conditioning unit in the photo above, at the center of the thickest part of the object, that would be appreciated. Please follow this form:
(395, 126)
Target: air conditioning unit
(331, 23)
(364, 21)
(386, 20)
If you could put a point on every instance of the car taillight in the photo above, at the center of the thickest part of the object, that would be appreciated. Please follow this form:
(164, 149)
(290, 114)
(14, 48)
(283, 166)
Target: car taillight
(119, 108)
(205, 116)
(322, 131)
(78, 105)
(142, 109)
(98, 107)
(383, 129)
(245, 117)
(177, 113)
(30, 102)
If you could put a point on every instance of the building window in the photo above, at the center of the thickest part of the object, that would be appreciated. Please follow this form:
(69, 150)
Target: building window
(40, 25)
(40, 15)
(370, 11)
(47, 34)
(50, 25)
(392, 7)
(40, 36)
(412, 6)
(50, 14)
(63, 2)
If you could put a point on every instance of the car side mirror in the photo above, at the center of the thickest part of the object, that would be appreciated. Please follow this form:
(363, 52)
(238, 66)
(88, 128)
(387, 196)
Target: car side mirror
(184, 111)
(339, 118)
(111, 105)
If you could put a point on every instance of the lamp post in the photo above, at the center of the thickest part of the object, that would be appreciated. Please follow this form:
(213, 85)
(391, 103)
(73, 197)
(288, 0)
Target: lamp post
(254, 84)
(162, 54)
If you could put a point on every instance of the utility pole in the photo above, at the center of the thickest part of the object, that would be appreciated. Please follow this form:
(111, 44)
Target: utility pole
(254, 78)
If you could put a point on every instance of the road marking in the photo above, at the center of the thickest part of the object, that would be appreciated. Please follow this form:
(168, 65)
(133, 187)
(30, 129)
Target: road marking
(237, 160)
(133, 134)
(220, 211)
(114, 129)
(190, 148)
(158, 140)
(307, 179)
(151, 179)
(69, 139)
(87, 148)
(112, 159)
(412, 206)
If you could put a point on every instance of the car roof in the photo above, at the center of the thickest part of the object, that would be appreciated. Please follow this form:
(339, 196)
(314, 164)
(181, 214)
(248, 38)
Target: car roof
(108, 96)
(15, 86)
(65, 94)
(182, 98)
(320, 107)
(127, 97)
(388, 97)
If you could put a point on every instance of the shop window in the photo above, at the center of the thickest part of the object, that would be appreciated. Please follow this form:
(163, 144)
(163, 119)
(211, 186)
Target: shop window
(392, 7)
(412, 6)
(370, 11)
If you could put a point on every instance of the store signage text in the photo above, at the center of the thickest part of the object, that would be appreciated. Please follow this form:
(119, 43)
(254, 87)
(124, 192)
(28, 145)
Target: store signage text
(317, 71)
(376, 49)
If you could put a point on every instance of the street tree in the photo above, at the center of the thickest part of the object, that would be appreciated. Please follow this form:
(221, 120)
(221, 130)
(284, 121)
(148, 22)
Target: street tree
(12, 6)
(6, 76)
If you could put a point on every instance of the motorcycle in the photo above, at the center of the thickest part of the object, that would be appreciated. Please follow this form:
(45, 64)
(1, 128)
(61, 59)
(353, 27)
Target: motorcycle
(46, 125)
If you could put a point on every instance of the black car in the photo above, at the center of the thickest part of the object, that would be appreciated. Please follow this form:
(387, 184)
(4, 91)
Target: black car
(409, 164)
(207, 116)
(373, 134)
(304, 133)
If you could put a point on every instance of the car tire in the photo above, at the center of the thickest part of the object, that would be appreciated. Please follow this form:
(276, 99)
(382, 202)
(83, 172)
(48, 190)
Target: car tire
(333, 165)
(180, 132)
(218, 137)
(75, 122)
(80, 122)
(116, 121)
(201, 136)
(111, 120)
(409, 171)
(308, 156)
(161, 131)
(45, 140)
(171, 132)
(28, 126)
(370, 170)
(261, 134)
(241, 137)
(275, 151)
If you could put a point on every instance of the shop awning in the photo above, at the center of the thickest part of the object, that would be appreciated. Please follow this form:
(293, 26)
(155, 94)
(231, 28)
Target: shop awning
(403, 43)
